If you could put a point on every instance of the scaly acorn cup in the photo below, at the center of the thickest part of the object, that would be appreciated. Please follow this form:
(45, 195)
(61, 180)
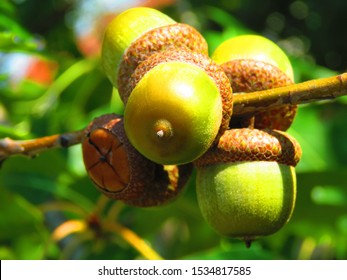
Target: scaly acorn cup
(139, 32)
(246, 185)
(178, 104)
(254, 63)
(121, 173)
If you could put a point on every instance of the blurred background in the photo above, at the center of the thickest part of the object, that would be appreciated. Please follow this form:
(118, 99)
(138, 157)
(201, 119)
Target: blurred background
(51, 82)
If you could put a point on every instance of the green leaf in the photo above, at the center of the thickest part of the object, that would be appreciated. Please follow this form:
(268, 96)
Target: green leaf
(329, 195)
(22, 228)
(7, 8)
(311, 134)
(230, 26)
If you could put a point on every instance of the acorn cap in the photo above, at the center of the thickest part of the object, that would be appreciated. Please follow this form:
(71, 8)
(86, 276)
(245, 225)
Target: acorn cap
(246, 145)
(125, 29)
(247, 75)
(174, 36)
(121, 173)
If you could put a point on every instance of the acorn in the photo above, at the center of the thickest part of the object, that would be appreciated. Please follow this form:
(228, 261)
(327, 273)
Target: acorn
(136, 34)
(121, 173)
(177, 104)
(246, 185)
(254, 63)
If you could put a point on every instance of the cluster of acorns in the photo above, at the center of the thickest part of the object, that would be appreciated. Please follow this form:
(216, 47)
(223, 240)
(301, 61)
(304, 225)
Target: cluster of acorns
(178, 115)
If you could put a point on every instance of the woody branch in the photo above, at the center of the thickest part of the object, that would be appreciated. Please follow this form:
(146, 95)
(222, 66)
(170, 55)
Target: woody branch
(243, 104)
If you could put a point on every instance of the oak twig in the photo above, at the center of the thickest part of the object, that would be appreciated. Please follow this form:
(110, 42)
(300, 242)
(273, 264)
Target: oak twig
(9, 147)
(243, 104)
(306, 92)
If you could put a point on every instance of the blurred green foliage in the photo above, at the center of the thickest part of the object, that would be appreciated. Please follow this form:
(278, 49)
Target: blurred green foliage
(37, 195)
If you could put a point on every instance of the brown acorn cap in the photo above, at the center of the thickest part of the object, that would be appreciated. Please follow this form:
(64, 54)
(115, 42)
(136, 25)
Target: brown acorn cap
(248, 75)
(244, 144)
(159, 39)
(213, 70)
(122, 173)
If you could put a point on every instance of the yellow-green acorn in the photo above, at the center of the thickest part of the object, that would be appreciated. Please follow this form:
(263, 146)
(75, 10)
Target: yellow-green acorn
(136, 34)
(178, 102)
(254, 63)
(246, 185)
(253, 47)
